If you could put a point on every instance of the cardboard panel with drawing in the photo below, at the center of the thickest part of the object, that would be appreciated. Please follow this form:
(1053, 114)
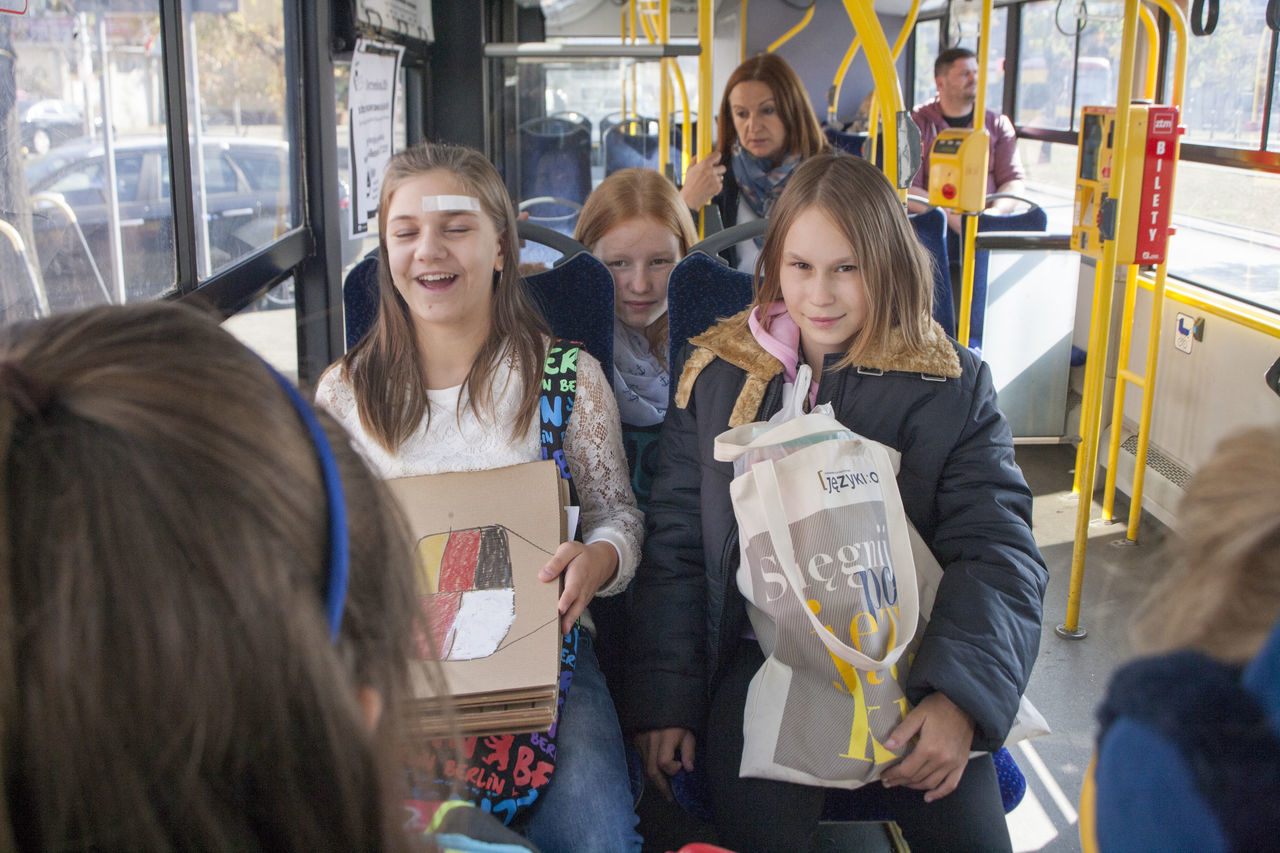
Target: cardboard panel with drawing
(480, 539)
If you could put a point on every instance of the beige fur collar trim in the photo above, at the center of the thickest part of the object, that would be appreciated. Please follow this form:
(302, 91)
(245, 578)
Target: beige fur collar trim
(730, 340)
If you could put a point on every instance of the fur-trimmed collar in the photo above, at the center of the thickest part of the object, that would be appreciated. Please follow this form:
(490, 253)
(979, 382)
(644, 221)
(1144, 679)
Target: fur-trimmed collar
(730, 340)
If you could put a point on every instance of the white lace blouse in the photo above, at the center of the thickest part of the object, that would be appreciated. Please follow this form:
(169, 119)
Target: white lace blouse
(454, 439)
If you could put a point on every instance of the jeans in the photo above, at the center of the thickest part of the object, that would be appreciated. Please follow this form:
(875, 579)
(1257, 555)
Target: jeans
(587, 804)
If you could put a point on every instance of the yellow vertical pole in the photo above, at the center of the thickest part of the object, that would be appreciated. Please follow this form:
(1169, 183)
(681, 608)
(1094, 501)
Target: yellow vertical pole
(1093, 361)
(664, 88)
(622, 27)
(686, 125)
(1106, 274)
(984, 48)
(968, 254)
(635, 37)
(1123, 378)
(742, 29)
(971, 220)
(867, 26)
(706, 109)
(1178, 18)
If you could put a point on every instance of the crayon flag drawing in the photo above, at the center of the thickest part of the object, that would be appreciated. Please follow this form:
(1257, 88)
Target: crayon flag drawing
(468, 593)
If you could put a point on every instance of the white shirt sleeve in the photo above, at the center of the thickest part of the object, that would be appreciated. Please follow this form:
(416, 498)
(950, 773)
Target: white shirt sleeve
(593, 449)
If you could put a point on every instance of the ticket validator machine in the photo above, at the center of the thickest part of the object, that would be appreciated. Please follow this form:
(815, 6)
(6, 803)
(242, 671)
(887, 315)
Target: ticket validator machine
(958, 169)
(1140, 223)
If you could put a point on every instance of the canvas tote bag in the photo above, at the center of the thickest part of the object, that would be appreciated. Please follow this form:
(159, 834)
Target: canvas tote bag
(837, 581)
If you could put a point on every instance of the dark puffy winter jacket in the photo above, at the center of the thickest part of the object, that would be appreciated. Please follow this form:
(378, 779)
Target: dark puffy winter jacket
(960, 487)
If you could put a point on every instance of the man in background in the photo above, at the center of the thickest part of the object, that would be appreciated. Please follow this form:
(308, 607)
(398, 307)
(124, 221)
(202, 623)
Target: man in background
(956, 73)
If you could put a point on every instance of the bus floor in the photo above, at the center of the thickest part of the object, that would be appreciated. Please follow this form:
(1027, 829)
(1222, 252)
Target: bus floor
(1069, 678)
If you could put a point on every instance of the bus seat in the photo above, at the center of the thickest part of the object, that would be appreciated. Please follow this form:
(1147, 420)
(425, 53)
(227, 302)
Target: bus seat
(555, 156)
(633, 142)
(360, 297)
(848, 142)
(701, 290)
(719, 239)
(1033, 219)
(546, 237)
(555, 168)
(576, 297)
(931, 229)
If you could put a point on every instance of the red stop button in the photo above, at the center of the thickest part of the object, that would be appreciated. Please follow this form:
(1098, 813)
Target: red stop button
(948, 191)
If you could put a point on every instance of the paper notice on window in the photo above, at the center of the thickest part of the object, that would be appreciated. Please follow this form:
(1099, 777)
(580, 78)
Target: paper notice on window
(371, 104)
(407, 17)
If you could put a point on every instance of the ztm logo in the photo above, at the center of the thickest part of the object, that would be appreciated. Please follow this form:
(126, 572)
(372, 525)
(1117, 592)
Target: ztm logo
(1162, 124)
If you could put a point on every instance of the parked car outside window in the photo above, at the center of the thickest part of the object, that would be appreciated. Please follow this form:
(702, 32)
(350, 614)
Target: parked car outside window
(49, 122)
(247, 200)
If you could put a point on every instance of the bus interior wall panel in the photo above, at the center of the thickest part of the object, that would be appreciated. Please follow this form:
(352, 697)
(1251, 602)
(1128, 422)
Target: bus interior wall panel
(318, 278)
(827, 36)
(457, 105)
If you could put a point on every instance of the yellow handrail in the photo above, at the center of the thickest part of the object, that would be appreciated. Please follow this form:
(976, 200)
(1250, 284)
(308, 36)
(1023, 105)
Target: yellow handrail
(20, 250)
(867, 26)
(787, 36)
(1153, 52)
(833, 94)
(873, 127)
(742, 30)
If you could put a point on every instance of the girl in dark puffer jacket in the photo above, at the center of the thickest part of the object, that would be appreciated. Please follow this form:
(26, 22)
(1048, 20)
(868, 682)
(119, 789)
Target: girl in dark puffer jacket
(845, 288)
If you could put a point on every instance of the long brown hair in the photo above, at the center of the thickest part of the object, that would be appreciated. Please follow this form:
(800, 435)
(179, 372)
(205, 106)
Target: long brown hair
(804, 133)
(1220, 591)
(630, 194)
(168, 678)
(896, 270)
(385, 367)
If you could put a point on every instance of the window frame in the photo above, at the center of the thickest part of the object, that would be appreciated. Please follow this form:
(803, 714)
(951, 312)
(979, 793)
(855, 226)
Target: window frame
(1256, 159)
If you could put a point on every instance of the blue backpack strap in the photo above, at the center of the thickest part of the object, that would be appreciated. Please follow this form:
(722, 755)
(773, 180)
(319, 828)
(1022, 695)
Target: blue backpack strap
(559, 390)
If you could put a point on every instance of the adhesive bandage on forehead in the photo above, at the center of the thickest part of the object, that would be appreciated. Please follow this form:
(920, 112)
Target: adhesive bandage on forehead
(450, 203)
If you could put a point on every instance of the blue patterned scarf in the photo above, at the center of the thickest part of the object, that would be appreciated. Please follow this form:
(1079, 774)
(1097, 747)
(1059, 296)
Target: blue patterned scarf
(759, 181)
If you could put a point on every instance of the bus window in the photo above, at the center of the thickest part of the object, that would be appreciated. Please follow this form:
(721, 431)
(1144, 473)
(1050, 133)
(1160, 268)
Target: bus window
(247, 199)
(927, 51)
(1044, 70)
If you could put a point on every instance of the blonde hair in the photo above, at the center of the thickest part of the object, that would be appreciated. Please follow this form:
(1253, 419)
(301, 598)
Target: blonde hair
(1221, 591)
(169, 681)
(804, 133)
(896, 270)
(635, 194)
(630, 194)
(385, 367)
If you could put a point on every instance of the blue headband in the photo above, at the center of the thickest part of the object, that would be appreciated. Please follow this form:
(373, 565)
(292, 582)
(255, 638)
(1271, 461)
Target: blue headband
(339, 544)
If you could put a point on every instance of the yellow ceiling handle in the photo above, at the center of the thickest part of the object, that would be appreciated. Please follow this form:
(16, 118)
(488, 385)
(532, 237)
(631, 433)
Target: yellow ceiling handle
(786, 37)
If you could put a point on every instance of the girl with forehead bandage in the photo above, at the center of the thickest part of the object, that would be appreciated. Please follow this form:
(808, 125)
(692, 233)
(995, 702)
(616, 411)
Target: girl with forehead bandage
(449, 379)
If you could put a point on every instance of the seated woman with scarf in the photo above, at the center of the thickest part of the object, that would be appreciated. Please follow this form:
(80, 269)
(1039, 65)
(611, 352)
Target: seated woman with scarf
(766, 128)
